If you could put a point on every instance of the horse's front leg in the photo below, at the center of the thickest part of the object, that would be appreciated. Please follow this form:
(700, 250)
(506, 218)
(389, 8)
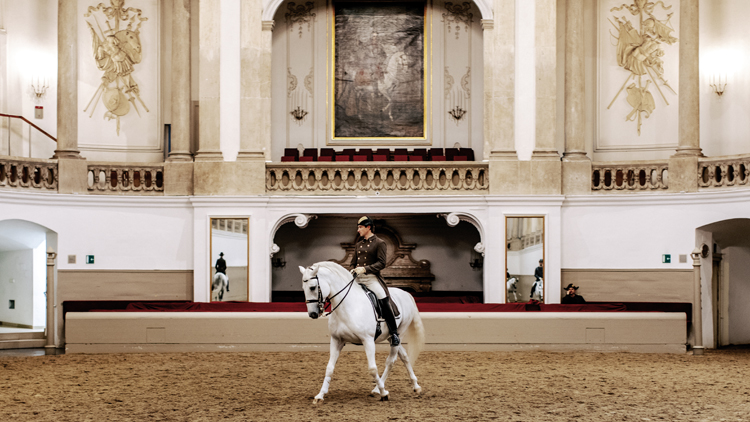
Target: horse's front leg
(372, 368)
(388, 365)
(336, 346)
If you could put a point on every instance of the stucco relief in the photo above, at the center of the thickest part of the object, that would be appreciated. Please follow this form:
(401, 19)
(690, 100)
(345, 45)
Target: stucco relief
(300, 15)
(116, 52)
(456, 15)
(640, 52)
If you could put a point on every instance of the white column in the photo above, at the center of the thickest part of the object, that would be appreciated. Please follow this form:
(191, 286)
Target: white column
(50, 329)
(689, 108)
(575, 117)
(67, 80)
(209, 82)
(180, 81)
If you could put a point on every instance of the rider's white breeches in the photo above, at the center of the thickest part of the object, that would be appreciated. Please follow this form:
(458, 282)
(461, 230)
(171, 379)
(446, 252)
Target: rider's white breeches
(372, 283)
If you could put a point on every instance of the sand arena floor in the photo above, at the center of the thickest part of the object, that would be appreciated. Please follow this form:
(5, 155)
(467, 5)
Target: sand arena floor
(508, 386)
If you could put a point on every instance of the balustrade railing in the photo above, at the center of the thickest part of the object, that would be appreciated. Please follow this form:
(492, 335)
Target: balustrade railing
(720, 172)
(402, 178)
(629, 176)
(108, 178)
(28, 173)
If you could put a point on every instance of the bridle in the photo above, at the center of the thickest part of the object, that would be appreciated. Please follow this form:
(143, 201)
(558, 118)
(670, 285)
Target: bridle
(323, 302)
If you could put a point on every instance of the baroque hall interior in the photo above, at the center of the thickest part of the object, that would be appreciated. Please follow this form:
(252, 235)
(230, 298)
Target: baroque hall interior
(605, 138)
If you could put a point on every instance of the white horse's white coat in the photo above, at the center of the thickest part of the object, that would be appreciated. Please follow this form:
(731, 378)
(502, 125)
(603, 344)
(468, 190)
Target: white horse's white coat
(219, 286)
(353, 321)
(538, 288)
(512, 287)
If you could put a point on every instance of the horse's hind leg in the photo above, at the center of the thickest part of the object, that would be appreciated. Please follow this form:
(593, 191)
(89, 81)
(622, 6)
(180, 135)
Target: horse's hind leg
(372, 368)
(405, 359)
(336, 346)
(388, 366)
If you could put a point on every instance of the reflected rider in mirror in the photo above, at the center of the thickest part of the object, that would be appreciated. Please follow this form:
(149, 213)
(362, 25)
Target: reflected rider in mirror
(572, 296)
(221, 267)
(538, 276)
(368, 260)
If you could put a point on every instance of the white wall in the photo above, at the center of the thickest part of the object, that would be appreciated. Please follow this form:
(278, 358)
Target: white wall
(739, 294)
(234, 246)
(16, 283)
(525, 261)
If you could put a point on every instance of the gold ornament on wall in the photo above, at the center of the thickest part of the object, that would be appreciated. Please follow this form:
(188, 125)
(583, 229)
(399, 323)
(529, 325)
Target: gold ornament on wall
(116, 52)
(640, 52)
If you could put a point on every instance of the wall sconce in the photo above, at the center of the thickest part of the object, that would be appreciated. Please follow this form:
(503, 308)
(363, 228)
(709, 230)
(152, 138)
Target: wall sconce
(718, 82)
(39, 86)
(477, 261)
(278, 261)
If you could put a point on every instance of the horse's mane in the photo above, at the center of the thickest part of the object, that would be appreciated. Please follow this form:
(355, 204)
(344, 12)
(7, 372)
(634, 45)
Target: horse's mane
(335, 268)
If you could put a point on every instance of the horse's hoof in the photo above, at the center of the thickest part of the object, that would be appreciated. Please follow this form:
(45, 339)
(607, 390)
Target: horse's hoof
(384, 398)
(418, 390)
(317, 400)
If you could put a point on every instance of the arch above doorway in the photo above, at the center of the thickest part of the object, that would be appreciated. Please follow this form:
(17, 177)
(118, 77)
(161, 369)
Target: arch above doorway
(270, 7)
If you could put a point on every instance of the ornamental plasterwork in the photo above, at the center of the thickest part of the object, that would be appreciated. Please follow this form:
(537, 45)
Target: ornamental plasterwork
(116, 52)
(458, 14)
(640, 52)
(291, 82)
(448, 83)
(466, 82)
(309, 80)
(299, 15)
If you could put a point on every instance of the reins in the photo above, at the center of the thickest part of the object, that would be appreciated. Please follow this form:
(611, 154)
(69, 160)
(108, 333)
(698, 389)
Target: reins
(321, 303)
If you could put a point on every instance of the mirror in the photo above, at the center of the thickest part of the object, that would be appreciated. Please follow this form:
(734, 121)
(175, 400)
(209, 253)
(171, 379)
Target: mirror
(229, 258)
(524, 259)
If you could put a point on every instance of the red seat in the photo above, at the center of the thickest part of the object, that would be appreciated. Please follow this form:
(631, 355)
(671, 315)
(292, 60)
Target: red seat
(459, 158)
(438, 158)
(399, 157)
(360, 158)
(325, 158)
(343, 158)
(416, 158)
(287, 158)
(378, 157)
(306, 158)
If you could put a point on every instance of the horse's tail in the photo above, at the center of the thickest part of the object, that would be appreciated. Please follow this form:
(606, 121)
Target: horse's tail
(415, 335)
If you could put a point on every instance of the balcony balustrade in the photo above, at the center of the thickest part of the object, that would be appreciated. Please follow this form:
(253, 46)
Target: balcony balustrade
(635, 176)
(28, 173)
(723, 172)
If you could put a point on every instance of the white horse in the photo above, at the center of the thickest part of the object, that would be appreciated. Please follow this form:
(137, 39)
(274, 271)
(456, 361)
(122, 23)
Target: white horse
(538, 290)
(512, 287)
(352, 320)
(219, 286)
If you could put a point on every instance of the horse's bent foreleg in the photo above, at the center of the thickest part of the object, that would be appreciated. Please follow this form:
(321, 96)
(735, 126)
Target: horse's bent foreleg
(336, 346)
(388, 366)
(372, 367)
(405, 359)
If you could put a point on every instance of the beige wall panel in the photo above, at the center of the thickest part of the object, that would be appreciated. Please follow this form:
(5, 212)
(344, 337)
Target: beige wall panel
(124, 285)
(631, 285)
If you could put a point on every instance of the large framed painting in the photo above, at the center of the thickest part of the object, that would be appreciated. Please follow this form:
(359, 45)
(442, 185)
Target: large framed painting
(379, 67)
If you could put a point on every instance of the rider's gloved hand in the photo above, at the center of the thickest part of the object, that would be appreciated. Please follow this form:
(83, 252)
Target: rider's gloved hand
(358, 270)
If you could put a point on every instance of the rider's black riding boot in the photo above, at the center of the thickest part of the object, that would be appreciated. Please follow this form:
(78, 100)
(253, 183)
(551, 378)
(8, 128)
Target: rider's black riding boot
(390, 320)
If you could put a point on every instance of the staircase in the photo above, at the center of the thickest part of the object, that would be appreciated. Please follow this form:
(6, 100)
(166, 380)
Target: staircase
(21, 338)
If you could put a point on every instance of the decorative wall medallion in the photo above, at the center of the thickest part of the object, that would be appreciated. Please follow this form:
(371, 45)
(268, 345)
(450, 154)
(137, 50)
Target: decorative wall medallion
(309, 80)
(299, 15)
(116, 51)
(639, 51)
(458, 14)
(291, 82)
(448, 83)
(466, 82)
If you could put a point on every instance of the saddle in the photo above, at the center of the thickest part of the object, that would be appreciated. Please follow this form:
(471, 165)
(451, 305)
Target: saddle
(377, 310)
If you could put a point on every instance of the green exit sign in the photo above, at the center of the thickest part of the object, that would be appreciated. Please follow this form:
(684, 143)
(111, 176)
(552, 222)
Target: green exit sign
(666, 259)
(89, 259)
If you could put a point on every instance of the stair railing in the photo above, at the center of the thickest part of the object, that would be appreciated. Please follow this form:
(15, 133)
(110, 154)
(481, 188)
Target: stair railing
(31, 125)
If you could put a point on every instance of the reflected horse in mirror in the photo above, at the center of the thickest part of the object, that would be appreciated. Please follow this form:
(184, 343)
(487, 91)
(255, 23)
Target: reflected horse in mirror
(219, 286)
(512, 287)
(352, 320)
(537, 290)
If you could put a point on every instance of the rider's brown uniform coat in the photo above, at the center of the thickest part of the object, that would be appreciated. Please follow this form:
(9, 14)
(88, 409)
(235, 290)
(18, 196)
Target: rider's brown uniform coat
(371, 254)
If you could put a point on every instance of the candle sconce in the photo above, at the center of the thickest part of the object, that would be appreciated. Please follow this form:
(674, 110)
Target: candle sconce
(457, 106)
(39, 87)
(718, 83)
(297, 101)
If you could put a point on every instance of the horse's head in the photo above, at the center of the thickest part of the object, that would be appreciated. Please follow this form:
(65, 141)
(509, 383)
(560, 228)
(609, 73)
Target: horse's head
(314, 296)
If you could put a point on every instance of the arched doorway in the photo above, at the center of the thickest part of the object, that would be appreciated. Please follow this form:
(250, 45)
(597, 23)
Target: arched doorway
(429, 254)
(23, 283)
(725, 282)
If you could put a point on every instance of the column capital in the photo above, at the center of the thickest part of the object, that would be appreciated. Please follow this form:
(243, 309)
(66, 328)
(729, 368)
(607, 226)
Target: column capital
(488, 24)
(268, 25)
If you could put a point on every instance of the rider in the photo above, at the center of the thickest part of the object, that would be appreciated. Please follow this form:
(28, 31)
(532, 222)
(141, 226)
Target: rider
(368, 260)
(538, 275)
(221, 267)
